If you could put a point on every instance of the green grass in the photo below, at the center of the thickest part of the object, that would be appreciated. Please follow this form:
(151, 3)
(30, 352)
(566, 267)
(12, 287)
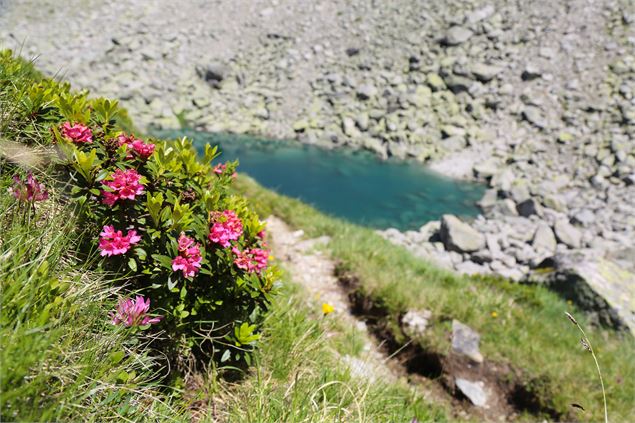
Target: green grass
(530, 330)
(61, 359)
(298, 377)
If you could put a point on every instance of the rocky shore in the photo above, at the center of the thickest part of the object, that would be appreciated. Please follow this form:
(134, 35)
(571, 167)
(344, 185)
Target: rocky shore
(536, 99)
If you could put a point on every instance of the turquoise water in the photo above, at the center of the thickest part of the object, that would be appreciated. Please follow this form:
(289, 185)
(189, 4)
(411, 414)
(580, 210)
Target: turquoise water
(353, 185)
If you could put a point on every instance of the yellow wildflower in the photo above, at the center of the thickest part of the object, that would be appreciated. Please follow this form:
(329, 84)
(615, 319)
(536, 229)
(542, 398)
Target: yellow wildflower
(327, 308)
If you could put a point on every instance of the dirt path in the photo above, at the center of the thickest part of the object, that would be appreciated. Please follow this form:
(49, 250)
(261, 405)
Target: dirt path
(315, 271)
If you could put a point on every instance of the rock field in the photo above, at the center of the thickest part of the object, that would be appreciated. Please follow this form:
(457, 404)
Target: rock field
(536, 99)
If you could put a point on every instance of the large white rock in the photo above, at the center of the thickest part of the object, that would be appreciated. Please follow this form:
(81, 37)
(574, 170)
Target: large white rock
(459, 236)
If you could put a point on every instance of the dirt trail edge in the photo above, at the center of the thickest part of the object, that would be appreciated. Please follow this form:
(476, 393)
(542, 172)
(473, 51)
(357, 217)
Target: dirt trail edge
(315, 271)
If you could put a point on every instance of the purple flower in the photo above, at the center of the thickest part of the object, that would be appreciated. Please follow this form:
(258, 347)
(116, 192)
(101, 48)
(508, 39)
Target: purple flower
(133, 312)
(30, 190)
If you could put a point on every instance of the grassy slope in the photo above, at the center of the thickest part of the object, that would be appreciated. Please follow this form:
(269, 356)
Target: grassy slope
(529, 330)
(298, 377)
(61, 360)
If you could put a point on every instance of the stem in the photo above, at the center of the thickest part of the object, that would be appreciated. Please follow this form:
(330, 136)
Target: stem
(597, 366)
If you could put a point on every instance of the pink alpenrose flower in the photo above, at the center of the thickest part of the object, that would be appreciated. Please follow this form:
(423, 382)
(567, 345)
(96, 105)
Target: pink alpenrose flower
(133, 313)
(226, 227)
(125, 185)
(140, 148)
(189, 258)
(77, 133)
(29, 190)
(219, 168)
(251, 260)
(114, 243)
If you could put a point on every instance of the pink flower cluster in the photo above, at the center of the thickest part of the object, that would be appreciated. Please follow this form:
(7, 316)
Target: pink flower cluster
(220, 168)
(189, 258)
(251, 260)
(124, 185)
(227, 227)
(114, 243)
(140, 148)
(77, 133)
(29, 190)
(133, 312)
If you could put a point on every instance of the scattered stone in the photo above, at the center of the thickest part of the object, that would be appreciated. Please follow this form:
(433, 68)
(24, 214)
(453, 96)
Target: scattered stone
(459, 236)
(567, 234)
(435, 82)
(544, 239)
(584, 217)
(505, 207)
(480, 14)
(529, 207)
(534, 116)
(486, 169)
(470, 268)
(457, 35)
(366, 91)
(489, 199)
(474, 391)
(212, 73)
(465, 341)
(457, 84)
(484, 72)
(530, 73)
(415, 322)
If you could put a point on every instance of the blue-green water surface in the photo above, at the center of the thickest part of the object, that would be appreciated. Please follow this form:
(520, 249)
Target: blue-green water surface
(354, 185)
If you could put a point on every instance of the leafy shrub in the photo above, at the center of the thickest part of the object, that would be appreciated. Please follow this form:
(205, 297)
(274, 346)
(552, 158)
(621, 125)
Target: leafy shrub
(158, 214)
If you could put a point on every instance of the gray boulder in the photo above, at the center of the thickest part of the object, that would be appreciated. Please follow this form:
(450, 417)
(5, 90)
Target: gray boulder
(474, 391)
(213, 73)
(484, 72)
(465, 341)
(567, 234)
(544, 240)
(480, 14)
(529, 207)
(600, 286)
(415, 322)
(459, 236)
(457, 35)
(366, 91)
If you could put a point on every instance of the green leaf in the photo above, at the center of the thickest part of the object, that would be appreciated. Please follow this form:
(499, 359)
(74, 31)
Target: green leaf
(164, 261)
(226, 356)
(132, 264)
(117, 356)
(171, 284)
(85, 163)
(154, 204)
(123, 376)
